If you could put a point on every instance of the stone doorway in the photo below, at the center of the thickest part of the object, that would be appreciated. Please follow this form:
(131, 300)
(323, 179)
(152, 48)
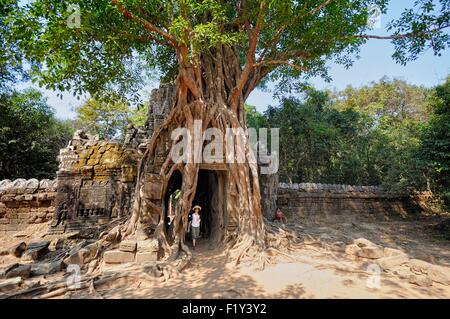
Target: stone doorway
(171, 203)
(210, 196)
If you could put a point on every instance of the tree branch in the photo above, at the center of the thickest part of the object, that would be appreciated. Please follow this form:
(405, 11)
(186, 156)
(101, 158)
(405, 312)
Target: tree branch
(253, 41)
(283, 27)
(282, 62)
(402, 36)
(147, 25)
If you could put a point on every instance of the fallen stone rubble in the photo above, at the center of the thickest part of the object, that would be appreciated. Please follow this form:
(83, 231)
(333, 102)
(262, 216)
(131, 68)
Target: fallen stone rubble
(395, 262)
(36, 262)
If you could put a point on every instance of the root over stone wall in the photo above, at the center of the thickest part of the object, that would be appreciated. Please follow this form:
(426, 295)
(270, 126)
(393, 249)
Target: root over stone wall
(26, 202)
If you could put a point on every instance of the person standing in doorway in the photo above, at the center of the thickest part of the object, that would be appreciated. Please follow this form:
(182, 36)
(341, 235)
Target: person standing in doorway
(195, 224)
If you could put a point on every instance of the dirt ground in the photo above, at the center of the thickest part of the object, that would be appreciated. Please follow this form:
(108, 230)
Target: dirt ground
(312, 271)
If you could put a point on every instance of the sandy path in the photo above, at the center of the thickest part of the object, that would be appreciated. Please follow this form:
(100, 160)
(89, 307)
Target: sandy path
(316, 274)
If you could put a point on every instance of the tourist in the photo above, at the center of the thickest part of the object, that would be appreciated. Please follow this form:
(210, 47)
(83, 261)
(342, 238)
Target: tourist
(279, 216)
(195, 224)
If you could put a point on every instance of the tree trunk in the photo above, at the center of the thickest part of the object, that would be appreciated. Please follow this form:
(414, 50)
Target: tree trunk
(203, 91)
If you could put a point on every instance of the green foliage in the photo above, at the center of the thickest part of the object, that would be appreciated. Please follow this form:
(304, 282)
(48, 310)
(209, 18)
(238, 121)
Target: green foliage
(10, 56)
(138, 116)
(313, 139)
(428, 18)
(394, 99)
(370, 135)
(30, 136)
(254, 119)
(106, 119)
(435, 150)
(112, 53)
(394, 111)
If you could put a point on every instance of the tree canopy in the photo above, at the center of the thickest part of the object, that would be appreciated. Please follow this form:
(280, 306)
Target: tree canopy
(118, 41)
(30, 136)
(388, 133)
(435, 150)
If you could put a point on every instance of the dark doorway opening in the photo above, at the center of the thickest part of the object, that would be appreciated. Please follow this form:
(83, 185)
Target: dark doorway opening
(170, 203)
(210, 197)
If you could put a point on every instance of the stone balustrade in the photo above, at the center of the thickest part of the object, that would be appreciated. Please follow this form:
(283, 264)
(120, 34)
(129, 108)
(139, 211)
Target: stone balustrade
(24, 202)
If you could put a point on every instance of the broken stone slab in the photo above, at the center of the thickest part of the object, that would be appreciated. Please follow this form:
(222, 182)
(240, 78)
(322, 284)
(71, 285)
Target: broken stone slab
(36, 251)
(47, 268)
(387, 263)
(57, 243)
(143, 257)
(420, 280)
(362, 242)
(352, 249)
(83, 254)
(10, 284)
(118, 257)
(128, 246)
(390, 252)
(436, 273)
(370, 252)
(145, 246)
(6, 268)
(32, 283)
(338, 247)
(18, 270)
(18, 250)
(402, 272)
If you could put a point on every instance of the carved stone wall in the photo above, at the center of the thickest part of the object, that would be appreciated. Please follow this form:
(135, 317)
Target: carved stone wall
(95, 183)
(161, 102)
(26, 202)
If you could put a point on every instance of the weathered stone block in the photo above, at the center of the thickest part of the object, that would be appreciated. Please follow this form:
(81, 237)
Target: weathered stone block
(89, 252)
(18, 250)
(436, 273)
(18, 270)
(362, 242)
(46, 268)
(352, 249)
(118, 257)
(370, 252)
(391, 262)
(389, 252)
(36, 251)
(10, 284)
(146, 257)
(148, 246)
(420, 280)
(128, 245)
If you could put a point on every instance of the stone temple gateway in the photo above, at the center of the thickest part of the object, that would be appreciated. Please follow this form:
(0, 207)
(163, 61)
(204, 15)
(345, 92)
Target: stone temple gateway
(96, 179)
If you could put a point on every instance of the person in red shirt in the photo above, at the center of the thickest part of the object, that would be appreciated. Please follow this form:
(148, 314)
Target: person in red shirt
(279, 216)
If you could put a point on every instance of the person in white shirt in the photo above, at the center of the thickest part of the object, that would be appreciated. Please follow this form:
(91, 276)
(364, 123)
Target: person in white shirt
(195, 224)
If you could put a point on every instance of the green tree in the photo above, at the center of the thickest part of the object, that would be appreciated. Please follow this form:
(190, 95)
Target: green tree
(30, 136)
(435, 150)
(138, 116)
(395, 99)
(108, 120)
(315, 139)
(394, 112)
(255, 119)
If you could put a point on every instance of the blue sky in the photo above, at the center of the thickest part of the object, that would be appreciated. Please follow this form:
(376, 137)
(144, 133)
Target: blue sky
(375, 62)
